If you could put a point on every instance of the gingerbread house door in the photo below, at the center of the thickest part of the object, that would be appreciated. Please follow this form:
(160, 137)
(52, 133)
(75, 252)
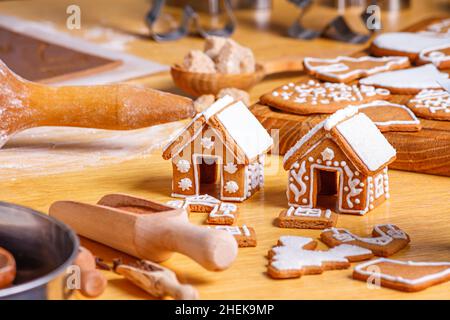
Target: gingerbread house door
(326, 188)
(207, 174)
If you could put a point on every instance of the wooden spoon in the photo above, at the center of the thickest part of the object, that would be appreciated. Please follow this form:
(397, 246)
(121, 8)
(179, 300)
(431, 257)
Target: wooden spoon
(25, 104)
(196, 84)
(7, 268)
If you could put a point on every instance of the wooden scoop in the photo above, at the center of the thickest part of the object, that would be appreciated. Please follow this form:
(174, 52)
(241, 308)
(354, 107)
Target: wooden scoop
(197, 84)
(7, 268)
(24, 104)
(157, 280)
(147, 230)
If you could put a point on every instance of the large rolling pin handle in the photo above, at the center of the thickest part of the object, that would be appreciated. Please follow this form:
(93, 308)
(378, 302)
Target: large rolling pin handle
(215, 250)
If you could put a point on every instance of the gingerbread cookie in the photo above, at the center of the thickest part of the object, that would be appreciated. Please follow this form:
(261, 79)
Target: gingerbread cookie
(295, 256)
(404, 44)
(440, 28)
(245, 236)
(218, 212)
(316, 97)
(389, 116)
(306, 218)
(386, 239)
(406, 276)
(408, 81)
(346, 69)
(439, 56)
(431, 104)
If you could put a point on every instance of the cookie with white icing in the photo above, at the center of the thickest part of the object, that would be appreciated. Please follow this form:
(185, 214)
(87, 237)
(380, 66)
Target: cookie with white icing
(219, 212)
(407, 44)
(312, 97)
(386, 239)
(439, 56)
(306, 218)
(441, 28)
(407, 81)
(408, 276)
(245, 236)
(389, 116)
(431, 104)
(296, 256)
(346, 69)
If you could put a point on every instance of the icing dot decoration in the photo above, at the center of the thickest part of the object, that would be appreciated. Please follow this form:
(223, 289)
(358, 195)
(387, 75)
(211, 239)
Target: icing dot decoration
(231, 186)
(183, 166)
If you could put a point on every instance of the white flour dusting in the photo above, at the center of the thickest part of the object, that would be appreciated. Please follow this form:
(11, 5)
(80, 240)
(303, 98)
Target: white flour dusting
(53, 150)
(109, 38)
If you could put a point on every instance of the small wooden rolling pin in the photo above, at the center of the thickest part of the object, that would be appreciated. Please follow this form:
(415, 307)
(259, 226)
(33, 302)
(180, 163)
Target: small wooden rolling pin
(93, 282)
(25, 104)
(147, 230)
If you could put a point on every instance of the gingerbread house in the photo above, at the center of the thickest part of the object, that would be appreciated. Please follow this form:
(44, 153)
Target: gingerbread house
(341, 164)
(224, 145)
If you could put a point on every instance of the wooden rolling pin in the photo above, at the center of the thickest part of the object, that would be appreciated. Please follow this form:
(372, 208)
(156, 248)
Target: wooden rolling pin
(25, 104)
(93, 282)
(147, 230)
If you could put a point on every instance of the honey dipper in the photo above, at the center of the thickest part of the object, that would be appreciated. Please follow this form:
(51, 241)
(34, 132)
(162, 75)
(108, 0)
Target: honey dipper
(25, 104)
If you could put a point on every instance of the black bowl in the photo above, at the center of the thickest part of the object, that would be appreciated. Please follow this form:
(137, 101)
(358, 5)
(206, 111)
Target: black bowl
(43, 248)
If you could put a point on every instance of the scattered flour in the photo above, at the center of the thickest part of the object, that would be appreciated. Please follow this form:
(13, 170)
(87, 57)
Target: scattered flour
(52, 150)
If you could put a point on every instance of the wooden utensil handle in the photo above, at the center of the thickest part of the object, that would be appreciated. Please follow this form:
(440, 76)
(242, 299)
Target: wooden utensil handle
(117, 106)
(178, 291)
(284, 64)
(214, 249)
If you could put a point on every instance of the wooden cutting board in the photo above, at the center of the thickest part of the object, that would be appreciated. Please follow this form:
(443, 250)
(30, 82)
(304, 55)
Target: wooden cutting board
(426, 151)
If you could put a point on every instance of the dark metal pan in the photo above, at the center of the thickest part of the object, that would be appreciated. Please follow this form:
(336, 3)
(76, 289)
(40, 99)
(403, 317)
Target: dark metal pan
(43, 249)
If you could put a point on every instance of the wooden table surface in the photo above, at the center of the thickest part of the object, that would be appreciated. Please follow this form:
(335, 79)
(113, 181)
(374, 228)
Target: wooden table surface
(419, 203)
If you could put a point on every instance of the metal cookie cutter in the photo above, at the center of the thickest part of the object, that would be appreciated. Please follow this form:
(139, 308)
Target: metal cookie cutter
(297, 30)
(189, 15)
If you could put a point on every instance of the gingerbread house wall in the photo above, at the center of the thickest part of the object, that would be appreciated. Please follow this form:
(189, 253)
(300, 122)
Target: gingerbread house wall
(356, 192)
(237, 180)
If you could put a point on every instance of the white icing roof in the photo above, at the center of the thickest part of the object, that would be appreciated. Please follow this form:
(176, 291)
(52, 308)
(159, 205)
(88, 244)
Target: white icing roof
(423, 77)
(240, 124)
(339, 116)
(367, 141)
(245, 129)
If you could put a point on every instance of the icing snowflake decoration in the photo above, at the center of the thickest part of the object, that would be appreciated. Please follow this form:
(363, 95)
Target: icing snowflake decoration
(327, 154)
(207, 143)
(185, 184)
(183, 166)
(231, 186)
(230, 167)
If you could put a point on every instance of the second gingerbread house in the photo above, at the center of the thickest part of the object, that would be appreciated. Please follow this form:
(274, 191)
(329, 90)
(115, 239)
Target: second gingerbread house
(341, 164)
(224, 145)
